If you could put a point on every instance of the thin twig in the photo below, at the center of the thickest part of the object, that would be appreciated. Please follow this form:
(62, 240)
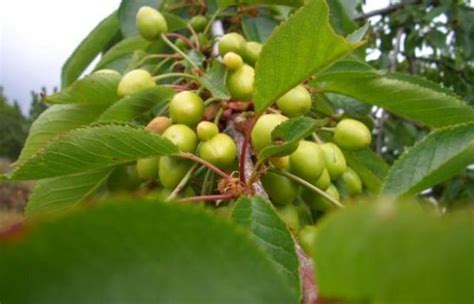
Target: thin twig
(178, 50)
(208, 198)
(386, 10)
(184, 181)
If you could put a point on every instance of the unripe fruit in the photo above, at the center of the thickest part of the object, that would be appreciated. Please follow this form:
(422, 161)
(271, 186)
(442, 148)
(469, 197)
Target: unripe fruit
(262, 130)
(240, 83)
(252, 52)
(351, 134)
(219, 150)
(147, 168)
(150, 23)
(334, 159)
(307, 236)
(186, 108)
(159, 124)
(317, 202)
(135, 81)
(289, 215)
(182, 136)
(198, 23)
(281, 162)
(307, 161)
(323, 181)
(232, 42)
(281, 189)
(233, 61)
(206, 130)
(352, 182)
(296, 102)
(172, 170)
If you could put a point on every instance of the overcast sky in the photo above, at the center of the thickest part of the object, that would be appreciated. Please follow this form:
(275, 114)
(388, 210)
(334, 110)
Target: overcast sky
(36, 37)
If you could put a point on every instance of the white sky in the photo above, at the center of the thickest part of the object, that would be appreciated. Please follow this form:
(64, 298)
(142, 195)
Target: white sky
(36, 38)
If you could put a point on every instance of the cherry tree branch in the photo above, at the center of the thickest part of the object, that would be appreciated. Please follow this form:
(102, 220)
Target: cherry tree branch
(386, 10)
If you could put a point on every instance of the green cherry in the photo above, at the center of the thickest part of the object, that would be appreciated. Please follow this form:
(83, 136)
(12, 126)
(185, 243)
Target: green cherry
(296, 102)
(186, 108)
(150, 23)
(351, 134)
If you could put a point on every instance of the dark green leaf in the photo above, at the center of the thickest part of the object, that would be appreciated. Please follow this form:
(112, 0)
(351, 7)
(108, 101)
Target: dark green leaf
(93, 89)
(371, 168)
(89, 48)
(215, 81)
(340, 18)
(225, 3)
(92, 148)
(403, 95)
(124, 47)
(138, 252)
(289, 57)
(287, 135)
(57, 120)
(132, 106)
(439, 156)
(258, 28)
(64, 191)
(270, 233)
(388, 253)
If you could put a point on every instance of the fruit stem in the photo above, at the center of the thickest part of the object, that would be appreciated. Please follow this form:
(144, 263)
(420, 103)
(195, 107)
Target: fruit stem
(206, 184)
(203, 162)
(158, 56)
(317, 139)
(207, 198)
(178, 50)
(245, 147)
(211, 100)
(327, 129)
(308, 185)
(209, 24)
(170, 75)
(195, 35)
(161, 64)
(179, 36)
(182, 183)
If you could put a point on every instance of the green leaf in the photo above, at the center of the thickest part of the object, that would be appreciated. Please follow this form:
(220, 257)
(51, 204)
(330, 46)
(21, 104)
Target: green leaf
(340, 18)
(121, 49)
(93, 89)
(371, 168)
(289, 57)
(407, 96)
(258, 28)
(270, 233)
(214, 81)
(391, 253)
(89, 48)
(174, 22)
(64, 191)
(287, 135)
(138, 252)
(439, 156)
(56, 120)
(132, 106)
(92, 148)
(225, 3)
(127, 14)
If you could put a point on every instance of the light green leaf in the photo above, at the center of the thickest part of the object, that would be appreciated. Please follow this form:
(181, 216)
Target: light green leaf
(407, 96)
(56, 120)
(121, 49)
(64, 191)
(270, 233)
(371, 168)
(258, 28)
(392, 253)
(286, 136)
(127, 14)
(92, 148)
(288, 57)
(93, 89)
(214, 81)
(89, 48)
(138, 252)
(439, 156)
(132, 106)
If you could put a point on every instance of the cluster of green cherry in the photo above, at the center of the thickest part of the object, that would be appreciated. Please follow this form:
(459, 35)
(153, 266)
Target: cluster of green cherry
(209, 162)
